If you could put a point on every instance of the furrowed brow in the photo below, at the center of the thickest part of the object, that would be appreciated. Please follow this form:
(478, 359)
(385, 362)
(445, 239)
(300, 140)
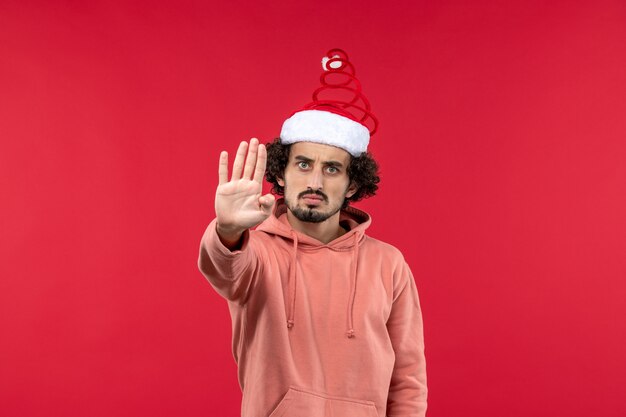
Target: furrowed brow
(333, 164)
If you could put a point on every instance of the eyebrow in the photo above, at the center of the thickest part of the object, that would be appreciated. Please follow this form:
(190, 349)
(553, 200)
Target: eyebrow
(327, 163)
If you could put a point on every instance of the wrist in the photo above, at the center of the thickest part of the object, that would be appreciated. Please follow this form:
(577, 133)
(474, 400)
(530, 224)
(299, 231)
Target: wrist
(230, 237)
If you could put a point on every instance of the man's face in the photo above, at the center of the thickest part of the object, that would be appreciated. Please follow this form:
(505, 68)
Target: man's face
(316, 181)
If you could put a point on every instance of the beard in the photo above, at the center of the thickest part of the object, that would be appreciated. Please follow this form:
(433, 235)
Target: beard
(312, 214)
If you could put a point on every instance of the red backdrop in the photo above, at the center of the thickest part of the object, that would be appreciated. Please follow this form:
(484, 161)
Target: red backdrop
(502, 150)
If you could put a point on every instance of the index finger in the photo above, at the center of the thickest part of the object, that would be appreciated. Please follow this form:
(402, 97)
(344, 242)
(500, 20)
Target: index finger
(223, 168)
(261, 161)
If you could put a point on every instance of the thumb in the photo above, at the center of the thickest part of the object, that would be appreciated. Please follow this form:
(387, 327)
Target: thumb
(267, 202)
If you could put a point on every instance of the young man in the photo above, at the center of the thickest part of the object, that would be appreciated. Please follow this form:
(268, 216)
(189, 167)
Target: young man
(326, 320)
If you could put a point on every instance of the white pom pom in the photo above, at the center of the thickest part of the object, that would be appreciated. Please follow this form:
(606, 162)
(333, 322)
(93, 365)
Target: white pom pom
(333, 65)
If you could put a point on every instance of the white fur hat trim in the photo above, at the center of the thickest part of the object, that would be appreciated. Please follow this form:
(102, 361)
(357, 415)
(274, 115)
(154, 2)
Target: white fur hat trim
(327, 128)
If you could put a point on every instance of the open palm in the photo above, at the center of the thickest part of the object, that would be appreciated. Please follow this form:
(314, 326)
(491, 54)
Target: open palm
(239, 204)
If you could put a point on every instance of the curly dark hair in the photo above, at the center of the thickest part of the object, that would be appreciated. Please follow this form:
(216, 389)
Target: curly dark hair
(362, 171)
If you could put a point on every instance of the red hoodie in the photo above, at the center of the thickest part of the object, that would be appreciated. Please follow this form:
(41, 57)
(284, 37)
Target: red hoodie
(320, 329)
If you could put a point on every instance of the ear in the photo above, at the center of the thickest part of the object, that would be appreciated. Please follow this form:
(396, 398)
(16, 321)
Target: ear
(280, 181)
(351, 189)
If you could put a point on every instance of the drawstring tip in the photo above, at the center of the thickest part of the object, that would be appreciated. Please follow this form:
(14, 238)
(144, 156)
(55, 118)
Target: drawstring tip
(289, 324)
(350, 333)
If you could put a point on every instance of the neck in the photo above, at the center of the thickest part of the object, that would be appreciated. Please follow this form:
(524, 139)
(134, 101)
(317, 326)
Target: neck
(325, 231)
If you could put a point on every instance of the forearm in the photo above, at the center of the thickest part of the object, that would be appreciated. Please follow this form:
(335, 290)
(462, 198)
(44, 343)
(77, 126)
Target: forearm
(230, 272)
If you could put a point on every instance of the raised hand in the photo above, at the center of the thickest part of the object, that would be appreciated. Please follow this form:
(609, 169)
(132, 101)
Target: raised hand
(239, 204)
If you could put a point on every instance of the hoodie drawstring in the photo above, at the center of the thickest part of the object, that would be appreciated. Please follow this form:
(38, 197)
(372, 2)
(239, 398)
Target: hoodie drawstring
(291, 282)
(355, 262)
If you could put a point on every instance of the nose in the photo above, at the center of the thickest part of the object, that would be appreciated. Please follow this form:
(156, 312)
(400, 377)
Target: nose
(315, 180)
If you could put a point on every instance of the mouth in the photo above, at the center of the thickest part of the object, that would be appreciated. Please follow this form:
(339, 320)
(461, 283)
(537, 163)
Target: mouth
(312, 199)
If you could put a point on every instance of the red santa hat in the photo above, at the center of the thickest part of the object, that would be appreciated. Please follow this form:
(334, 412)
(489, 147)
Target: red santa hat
(339, 114)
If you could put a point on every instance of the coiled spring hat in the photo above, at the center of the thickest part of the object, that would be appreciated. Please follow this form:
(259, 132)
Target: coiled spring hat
(339, 115)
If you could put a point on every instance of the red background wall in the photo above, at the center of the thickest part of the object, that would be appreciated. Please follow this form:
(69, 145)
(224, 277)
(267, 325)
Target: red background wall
(502, 149)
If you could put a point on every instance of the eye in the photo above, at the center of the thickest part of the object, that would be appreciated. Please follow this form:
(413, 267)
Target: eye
(332, 170)
(303, 165)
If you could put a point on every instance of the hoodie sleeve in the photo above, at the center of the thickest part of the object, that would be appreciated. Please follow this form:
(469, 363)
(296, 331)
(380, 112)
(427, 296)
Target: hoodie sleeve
(231, 274)
(407, 391)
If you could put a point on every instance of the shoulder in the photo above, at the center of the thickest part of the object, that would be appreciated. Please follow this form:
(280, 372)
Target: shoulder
(389, 260)
(382, 246)
(384, 249)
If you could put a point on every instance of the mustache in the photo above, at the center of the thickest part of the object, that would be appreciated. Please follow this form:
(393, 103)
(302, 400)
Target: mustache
(311, 192)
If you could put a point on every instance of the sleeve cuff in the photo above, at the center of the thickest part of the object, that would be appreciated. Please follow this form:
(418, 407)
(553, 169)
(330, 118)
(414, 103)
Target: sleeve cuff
(212, 239)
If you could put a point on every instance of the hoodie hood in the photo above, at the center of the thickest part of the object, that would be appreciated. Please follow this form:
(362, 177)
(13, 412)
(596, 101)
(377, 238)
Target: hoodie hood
(353, 220)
